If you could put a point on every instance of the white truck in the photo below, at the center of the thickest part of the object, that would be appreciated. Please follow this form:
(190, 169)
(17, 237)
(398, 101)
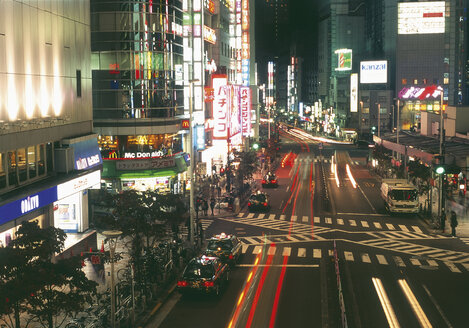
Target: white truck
(399, 196)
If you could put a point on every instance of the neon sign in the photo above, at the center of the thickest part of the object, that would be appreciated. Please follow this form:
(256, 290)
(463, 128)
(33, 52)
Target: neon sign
(245, 105)
(220, 106)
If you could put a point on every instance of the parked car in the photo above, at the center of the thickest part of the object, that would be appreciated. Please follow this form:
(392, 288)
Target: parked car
(226, 247)
(204, 274)
(259, 202)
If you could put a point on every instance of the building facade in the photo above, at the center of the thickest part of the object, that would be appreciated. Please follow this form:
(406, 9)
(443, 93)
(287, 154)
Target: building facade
(49, 156)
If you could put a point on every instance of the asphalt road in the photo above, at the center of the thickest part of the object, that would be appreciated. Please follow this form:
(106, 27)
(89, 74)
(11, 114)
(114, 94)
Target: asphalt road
(393, 271)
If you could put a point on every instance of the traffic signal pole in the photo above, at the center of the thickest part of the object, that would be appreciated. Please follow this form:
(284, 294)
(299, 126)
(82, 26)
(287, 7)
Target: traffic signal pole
(441, 203)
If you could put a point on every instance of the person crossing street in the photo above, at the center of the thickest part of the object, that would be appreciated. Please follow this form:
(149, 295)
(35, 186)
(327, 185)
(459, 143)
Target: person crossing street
(454, 223)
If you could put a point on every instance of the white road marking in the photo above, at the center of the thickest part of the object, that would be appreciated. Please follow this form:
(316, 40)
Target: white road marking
(271, 216)
(452, 267)
(390, 226)
(305, 218)
(353, 223)
(261, 216)
(365, 224)
(331, 252)
(250, 215)
(328, 220)
(244, 248)
(417, 229)
(381, 259)
(366, 258)
(251, 240)
(377, 225)
(415, 261)
(294, 218)
(301, 252)
(316, 219)
(403, 227)
(286, 251)
(317, 253)
(348, 256)
(282, 217)
(340, 221)
(432, 263)
(240, 215)
(272, 250)
(399, 261)
(257, 250)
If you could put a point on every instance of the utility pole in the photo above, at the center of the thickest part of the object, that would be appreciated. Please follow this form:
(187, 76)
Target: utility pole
(379, 120)
(192, 164)
(441, 205)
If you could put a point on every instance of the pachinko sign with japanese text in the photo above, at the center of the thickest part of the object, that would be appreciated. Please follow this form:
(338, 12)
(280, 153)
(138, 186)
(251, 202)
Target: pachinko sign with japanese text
(245, 106)
(234, 111)
(220, 106)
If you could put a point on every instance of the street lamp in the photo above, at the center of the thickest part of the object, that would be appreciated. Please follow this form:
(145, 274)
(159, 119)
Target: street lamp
(111, 237)
(192, 162)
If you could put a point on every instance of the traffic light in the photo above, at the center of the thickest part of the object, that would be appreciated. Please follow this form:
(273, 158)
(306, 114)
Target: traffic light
(255, 146)
(373, 129)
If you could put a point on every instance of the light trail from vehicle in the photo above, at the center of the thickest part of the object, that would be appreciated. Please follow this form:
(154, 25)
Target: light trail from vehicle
(292, 189)
(385, 303)
(273, 314)
(350, 176)
(416, 308)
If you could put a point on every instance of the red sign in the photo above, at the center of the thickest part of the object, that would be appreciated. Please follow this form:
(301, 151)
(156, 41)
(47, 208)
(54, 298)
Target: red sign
(185, 124)
(210, 5)
(114, 68)
(220, 106)
(209, 94)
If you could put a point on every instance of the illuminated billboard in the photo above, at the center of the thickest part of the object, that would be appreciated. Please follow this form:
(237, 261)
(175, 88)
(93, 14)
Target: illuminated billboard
(220, 106)
(245, 46)
(245, 105)
(234, 113)
(353, 92)
(375, 71)
(421, 17)
(210, 35)
(344, 59)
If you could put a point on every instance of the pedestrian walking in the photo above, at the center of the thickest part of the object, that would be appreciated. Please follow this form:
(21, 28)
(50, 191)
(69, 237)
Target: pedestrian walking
(443, 221)
(212, 204)
(205, 207)
(454, 223)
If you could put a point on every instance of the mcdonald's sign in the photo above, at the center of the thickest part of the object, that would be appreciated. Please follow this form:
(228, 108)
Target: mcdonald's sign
(113, 154)
(185, 124)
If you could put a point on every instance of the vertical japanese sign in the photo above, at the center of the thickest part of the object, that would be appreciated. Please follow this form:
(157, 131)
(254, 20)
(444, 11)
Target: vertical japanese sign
(245, 105)
(245, 47)
(220, 106)
(234, 111)
(353, 92)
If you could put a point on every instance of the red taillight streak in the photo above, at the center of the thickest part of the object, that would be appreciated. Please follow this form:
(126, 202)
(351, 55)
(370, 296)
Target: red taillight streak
(208, 283)
(231, 256)
(277, 293)
(258, 291)
(249, 203)
(312, 214)
(311, 177)
(182, 283)
(265, 204)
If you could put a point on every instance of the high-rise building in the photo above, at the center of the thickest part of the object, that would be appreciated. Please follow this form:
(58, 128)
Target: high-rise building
(138, 93)
(49, 155)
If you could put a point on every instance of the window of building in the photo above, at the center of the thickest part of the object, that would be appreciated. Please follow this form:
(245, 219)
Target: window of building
(404, 82)
(446, 80)
(416, 81)
(12, 166)
(41, 163)
(78, 83)
(49, 157)
(32, 161)
(3, 175)
(21, 161)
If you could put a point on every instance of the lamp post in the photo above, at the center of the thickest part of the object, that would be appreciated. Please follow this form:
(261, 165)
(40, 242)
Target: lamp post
(192, 163)
(379, 120)
(111, 236)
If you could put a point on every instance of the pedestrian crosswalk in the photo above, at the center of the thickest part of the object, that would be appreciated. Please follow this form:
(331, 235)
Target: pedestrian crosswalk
(413, 229)
(418, 250)
(305, 253)
(465, 240)
(269, 239)
(325, 160)
(281, 224)
(184, 230)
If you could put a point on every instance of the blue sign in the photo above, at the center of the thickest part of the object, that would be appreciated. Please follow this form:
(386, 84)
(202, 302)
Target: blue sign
(23, 206)
(199, 137)
(245, 71)
(87, 154)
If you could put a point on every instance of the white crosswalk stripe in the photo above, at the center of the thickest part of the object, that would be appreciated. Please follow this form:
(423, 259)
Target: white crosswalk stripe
(381, 259)
(417, 229)
(340, 221)
(271, 216)
(348, 256)
(305, 218)
(366, 258)
(415, 262)
(390, 226)
(377, 225)
(317, 253)
(403, 227)
(364, 224)
(301, 252)
(250, 215)
(261, 216)
(328, 220)
(257, 249)
(271, 250)
(399, 262)
(432, 263)
(452, 267)
(353, 223)
(286, 251)
(316, 219)
(240, 215)
(294, 218)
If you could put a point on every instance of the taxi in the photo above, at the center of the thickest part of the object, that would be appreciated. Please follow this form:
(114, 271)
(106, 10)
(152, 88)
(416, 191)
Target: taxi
(270, 180)
(259, 202)
(226, 247)
(206, 274)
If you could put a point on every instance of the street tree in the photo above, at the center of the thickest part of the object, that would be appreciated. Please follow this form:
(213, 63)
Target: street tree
(35, 286)
(248, 165)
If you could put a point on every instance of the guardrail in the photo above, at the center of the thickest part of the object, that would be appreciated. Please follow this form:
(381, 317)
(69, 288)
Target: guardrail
(339, 287)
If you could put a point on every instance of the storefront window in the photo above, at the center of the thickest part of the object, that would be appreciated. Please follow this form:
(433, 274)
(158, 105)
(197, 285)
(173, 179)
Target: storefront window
(32, 162)
(22, 169)
(3, 177)
(41, 163)
(12, 175)
(49, 157)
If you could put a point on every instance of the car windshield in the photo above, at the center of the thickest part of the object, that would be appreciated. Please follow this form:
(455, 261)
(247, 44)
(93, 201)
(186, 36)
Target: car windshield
(225, 245)
(258, 198)
(408, 195)
(198, 270)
